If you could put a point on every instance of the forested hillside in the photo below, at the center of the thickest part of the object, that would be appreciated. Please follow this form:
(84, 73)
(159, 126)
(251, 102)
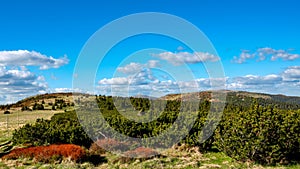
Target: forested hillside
(260, 128)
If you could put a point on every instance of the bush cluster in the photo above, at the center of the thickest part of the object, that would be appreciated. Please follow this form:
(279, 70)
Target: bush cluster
(37, 106)
(61, 129)
(51, 153)
(262, 134)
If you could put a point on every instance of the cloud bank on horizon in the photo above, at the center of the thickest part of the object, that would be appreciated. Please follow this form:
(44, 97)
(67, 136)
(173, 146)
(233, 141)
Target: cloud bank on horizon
(136, 78)
(144, 80)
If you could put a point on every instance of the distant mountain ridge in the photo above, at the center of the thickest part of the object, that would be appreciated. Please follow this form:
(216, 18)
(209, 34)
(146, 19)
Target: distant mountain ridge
(231, 97)
(238, 95)
(145, 96)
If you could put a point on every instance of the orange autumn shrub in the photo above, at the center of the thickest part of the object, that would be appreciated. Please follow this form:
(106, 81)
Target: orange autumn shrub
(141, 152)
(49, 153)
(109, 145)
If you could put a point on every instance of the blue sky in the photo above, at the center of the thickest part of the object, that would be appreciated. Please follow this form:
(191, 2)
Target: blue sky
(257, 43)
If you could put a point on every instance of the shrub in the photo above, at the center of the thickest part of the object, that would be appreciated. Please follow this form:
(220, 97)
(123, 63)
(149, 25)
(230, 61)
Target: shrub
(25, 108)
(141, 152)
(95, 149)
(49, 153)
(37, 106)
(264, 135)
(63, 128)
(6, 112)
(193, 138)
(110, 145)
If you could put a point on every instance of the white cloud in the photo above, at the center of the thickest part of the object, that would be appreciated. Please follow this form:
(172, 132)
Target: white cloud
(130, 68)
(153, 64)
(287, 82)
(292, 73)
(264, 53)
(114, 81)
(134, 67)
(179, 48)
(144, 82)
(186, 57)
(66, 90)
(249, 80)
(212, 83)
(16, 83)
(163, 87)
(30, 58)
(141, 82)
(243, 57)
(142, 77)
(41, 78)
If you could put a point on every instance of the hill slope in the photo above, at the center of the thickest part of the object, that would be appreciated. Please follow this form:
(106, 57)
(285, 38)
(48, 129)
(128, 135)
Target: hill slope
(236, 97)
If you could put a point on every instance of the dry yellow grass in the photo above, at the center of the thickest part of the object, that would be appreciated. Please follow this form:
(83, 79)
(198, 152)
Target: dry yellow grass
(17, 118)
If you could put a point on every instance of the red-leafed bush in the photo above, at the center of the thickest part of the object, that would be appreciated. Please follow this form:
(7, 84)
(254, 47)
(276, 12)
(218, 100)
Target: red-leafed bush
(49, 153)
(141, 152)
(108, 144)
